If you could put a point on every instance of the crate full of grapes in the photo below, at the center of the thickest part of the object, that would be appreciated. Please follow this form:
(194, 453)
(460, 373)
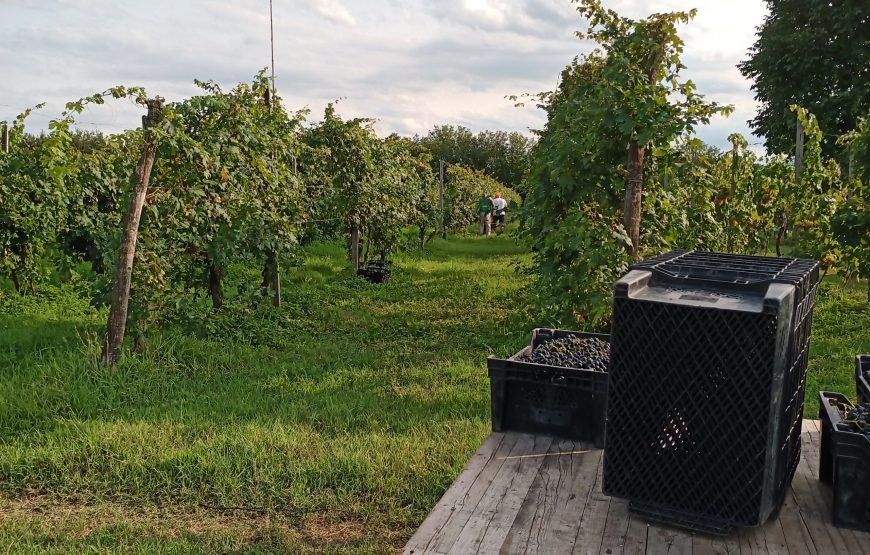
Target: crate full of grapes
(556, 386)
(845, 458)
(862, 377)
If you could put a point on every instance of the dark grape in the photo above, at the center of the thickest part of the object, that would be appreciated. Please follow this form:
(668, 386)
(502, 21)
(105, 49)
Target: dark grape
(858, 418)
(572, 352)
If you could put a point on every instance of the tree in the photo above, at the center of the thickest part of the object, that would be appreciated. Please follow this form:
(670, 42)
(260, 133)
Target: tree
(34, 197)
(368, 185)
(501, 155)
(103, 168)
(228, 192)
(810, 202)
(851, 222)
(583, 209)
(400, 183)
(346, 164)
(816, 55)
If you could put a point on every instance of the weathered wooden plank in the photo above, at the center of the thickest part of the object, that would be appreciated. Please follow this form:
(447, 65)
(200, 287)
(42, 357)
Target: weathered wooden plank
(547, 521)
(752, 541)
(715, 545)
(456, 506)
(636, 537)
(616, 528)
(457, 491)
(807, 493)
(590, 529)
(815, 516)
(811, 507)
(491, 520)
(553, 504)
(663, 540)
(774, 538)
(819, 494)
(849, 540)
(798, 539)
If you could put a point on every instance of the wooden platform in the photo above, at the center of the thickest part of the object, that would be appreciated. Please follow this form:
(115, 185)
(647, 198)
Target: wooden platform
(531, 494)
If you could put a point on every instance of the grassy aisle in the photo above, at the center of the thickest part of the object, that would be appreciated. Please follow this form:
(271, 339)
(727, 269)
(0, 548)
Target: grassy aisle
(330, 426)
(337, 430)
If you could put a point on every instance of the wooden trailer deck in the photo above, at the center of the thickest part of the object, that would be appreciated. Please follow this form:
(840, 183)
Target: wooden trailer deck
(533, 494)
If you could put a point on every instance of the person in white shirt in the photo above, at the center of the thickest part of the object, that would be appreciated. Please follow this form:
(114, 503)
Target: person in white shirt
(499, 205)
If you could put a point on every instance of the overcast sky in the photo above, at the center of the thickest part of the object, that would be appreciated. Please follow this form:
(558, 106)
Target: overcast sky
(411, 64)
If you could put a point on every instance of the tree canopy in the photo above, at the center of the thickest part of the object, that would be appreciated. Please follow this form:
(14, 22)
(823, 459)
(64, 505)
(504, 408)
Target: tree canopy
(816, 55)
(501, 155)
(612, 104)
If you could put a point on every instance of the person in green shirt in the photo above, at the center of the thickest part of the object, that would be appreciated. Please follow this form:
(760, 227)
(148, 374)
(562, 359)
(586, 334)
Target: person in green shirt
(485, 209)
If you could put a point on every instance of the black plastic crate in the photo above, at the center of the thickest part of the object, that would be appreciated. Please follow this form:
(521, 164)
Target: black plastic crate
(862, 378)
(844, 462)
(549, 400)
(376, 271)
(707, 377)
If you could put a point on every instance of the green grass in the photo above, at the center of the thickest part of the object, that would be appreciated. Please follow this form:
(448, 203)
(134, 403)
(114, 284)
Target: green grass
(355, 404)
(330, 426)
(841, 330)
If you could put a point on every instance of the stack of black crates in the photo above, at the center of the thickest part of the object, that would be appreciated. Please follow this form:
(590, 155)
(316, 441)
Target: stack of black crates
(707, 379)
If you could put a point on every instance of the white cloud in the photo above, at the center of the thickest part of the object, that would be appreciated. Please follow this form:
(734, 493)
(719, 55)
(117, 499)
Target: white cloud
(410, 64)
(334, 11)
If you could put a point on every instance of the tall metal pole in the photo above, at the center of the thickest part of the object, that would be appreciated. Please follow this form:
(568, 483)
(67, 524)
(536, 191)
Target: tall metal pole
(272, 271)
(799, 153)
(443, 218)
(272, 44)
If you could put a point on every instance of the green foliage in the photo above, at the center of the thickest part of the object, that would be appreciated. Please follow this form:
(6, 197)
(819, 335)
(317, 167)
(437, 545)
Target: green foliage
(343, 168)
(359, 180)
(501, 155)
(464, 187)
(104, 166)
(812, 203)
(224, 189)
(814, 54)
(401, 181)
(349, 405)
(851, 222)
(34, 198)
(702, 198)
(622, 94)
(49, 185)
(684, 195)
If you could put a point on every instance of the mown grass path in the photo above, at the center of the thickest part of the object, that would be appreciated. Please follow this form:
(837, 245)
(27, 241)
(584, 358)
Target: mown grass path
(330, 426)
(334, 424)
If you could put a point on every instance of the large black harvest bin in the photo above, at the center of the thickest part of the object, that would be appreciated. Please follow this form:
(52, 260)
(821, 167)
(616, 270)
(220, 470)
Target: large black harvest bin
(707, 377)
(549, 400)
